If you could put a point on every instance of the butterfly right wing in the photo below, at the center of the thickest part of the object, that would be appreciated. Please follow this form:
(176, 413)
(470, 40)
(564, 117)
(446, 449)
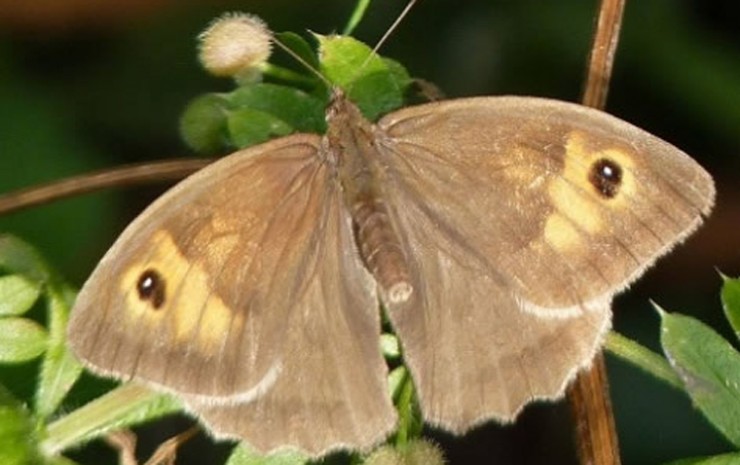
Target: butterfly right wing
(517, 241)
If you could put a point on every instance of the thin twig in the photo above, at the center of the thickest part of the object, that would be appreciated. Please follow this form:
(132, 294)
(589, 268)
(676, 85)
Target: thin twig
(124, 441)
(122, 176)
(601, 61)
(166, 453)
(596, 433)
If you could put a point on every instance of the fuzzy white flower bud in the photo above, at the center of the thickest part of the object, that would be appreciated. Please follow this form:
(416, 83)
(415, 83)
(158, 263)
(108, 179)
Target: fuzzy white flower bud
(416, 452)
(236, 44)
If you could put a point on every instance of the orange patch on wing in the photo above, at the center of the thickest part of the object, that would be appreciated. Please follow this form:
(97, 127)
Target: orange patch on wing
(192, 313)
(577, 209)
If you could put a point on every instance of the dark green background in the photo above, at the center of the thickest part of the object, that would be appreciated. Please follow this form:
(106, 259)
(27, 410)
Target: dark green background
(100, 93)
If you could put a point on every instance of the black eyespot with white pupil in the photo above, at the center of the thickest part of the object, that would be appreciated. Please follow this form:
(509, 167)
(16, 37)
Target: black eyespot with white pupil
(606, 177)
(151, 288)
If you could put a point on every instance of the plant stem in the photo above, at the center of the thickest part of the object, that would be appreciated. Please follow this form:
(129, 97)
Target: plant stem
(287, 75)
(405, 406)
(596, 438)
(128, 404)
(356, 17)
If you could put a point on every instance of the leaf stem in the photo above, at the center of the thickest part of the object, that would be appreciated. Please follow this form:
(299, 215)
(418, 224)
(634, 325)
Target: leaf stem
(356, 17)
(128, 404)
(287, 75)
(642, 357)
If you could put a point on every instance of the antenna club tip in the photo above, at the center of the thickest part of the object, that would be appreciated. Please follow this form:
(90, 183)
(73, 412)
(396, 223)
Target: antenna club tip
(235, 44)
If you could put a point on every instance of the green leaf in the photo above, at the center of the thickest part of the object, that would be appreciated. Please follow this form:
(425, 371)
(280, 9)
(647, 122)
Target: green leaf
(730, 296)
(244, 455)
(399, 72)
(709, 367)
(203, 124)
(249, 127)
(21, 340)
(17, 438)
(18, 257)
(724, 459)
(59, 368)
(299, 110)
(642, 357)
(17, 294)
(366, 78)
(299, 46)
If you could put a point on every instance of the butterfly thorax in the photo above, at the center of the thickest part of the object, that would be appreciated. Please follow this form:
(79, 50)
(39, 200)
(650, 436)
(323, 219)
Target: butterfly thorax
(351, 144)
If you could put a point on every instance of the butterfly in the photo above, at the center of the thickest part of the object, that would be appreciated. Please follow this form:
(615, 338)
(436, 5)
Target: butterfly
(493, 232)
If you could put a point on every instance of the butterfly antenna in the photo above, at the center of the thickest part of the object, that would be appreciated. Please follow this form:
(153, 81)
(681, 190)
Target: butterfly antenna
(390, 30)
(380, 43)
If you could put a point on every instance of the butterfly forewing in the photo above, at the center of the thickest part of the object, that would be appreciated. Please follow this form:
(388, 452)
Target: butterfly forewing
(510, 180)
(188, 245)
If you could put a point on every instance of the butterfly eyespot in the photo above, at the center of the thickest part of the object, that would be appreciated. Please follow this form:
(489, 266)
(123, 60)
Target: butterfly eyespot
(606, 177)
(151, 287)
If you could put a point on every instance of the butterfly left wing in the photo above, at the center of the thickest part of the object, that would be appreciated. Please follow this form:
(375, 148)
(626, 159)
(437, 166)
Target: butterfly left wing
(521, 218)
(241, 291)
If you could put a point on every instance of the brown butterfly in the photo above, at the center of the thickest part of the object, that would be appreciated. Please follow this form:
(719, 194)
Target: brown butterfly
(493, 230)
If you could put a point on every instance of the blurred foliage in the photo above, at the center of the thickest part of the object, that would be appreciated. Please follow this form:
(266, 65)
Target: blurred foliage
(104, 93)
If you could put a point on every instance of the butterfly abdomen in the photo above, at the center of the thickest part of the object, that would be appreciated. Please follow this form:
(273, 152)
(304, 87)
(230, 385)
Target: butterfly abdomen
(380, 247)
(350, 141)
